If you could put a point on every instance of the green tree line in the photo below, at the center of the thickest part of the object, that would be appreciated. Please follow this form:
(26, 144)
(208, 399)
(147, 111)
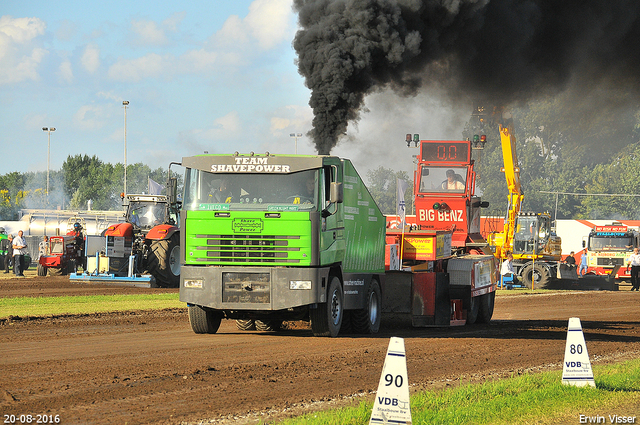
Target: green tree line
(81, 179)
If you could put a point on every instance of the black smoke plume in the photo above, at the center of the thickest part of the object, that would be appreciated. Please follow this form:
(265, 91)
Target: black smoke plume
(503, 50)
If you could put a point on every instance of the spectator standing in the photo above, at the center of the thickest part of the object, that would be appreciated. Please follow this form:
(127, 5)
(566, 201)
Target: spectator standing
(583, 263)
(634, 262)
(19, 251)
(9, 255)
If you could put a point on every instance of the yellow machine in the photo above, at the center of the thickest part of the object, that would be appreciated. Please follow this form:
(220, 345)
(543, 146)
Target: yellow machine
(536, 251)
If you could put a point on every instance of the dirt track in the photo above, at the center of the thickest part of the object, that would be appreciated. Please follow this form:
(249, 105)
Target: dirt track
(140, 367)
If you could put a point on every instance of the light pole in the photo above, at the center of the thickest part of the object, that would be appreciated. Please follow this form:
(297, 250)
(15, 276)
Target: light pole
(295, 136)
(125, 103)
(48, 130)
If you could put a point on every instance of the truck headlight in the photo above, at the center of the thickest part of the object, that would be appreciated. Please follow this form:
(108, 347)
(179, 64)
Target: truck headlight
(299, 284)
(193, 283)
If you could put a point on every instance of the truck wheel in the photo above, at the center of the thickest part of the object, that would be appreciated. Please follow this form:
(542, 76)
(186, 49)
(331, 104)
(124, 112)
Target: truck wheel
(268, 325)
(536, 275)
(164, 262)
(245, 325)
(204, 321)
(326, 318)
(42, 270)
(367, 320)
(473, 311)
(487, 301)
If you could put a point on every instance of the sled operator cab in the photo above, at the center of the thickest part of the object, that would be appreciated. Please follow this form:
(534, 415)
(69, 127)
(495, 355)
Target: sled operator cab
(444, 192)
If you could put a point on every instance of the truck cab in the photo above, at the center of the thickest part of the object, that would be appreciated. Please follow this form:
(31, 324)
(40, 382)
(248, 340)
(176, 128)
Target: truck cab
(269, 238)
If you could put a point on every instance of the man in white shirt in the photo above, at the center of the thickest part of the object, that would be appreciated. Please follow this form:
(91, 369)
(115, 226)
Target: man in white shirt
(19, 251)
(451, 183)
(634, 262)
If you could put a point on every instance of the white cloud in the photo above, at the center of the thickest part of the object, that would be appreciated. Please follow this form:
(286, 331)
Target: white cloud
(21, 30)
(91, 58)
(66, 72)
(291, 119)
(198, 61)
(26, 68)
(134, 70)
(148, 33)
(268, 21)
(109, 96)
(173, 22)
(226, 126)
(232, 32)
(89, 117)
(19, 60)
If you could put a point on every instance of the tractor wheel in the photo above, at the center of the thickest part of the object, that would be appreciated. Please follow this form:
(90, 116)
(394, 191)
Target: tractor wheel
(164, 262)
(204, 321)
(474, 310)
(54, 271)
(326, 318)
(536, 276)
(268, 325)
(367, 320)
(487, 301)
(42, 270)
(246, 325)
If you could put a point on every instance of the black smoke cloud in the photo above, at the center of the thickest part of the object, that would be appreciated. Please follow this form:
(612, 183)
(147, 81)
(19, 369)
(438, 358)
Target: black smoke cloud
(502, 50)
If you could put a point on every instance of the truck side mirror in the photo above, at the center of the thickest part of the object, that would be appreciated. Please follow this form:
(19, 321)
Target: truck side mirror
(484, 204)
(172, 190)
(336, 195)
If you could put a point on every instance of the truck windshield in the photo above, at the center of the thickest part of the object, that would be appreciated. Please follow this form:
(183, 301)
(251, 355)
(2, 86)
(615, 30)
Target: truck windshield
(442, 179)
(610, 243)
(242, 191)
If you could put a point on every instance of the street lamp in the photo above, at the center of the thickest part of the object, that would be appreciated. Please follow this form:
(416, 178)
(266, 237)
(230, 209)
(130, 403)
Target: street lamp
(125, 103)
(296, 135)
(48, 130)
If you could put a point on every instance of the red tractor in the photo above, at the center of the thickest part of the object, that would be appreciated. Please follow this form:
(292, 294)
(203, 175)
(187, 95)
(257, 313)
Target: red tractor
(61, 255)
(150, 237)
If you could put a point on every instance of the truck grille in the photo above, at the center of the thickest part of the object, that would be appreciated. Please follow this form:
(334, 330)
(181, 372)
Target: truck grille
(248, 248)
(610, 261)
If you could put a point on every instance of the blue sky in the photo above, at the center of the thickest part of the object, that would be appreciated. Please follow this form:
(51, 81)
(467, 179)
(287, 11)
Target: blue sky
(217, 76)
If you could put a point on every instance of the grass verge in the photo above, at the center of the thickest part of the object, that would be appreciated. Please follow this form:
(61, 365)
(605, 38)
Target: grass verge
(45, 306)
(528, 399)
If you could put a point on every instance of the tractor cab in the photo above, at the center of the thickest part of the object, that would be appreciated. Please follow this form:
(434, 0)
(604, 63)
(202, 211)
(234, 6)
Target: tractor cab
(148, 211)
(444, 190)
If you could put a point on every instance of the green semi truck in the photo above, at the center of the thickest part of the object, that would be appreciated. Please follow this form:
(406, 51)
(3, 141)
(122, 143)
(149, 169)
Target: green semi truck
(273, 238)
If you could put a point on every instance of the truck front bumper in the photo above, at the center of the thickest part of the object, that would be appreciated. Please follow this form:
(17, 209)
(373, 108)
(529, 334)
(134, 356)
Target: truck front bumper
(252, 288)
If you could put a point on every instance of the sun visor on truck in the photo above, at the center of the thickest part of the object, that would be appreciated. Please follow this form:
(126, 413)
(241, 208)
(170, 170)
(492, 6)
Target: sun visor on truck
(252, 164)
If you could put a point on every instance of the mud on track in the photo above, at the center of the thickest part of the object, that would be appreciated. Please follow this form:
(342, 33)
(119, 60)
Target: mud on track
(149, 367)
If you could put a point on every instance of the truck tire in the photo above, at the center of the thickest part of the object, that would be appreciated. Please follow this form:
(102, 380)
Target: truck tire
(326, 318)
(164, 262)
(268, 325)
(473, 311)
(42, 270)
(245, 325)
(204, 321)
(487, 301)
(536, 275)
(367, 320)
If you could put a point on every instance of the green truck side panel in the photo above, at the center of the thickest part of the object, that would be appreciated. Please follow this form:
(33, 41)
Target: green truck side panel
(364, 226)
(248, 238)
